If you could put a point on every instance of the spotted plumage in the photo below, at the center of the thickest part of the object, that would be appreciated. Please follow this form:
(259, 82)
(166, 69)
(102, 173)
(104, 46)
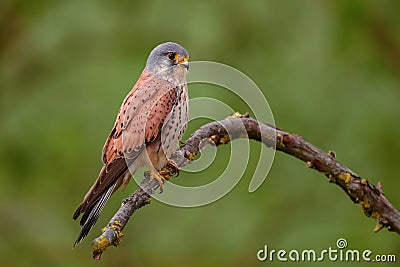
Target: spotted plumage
(148, 128)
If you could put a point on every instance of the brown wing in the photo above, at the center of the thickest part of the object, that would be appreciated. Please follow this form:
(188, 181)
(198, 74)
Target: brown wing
(139, 122)
(128, 111)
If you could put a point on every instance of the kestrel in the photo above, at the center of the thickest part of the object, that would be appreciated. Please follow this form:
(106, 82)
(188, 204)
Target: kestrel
(148, 128)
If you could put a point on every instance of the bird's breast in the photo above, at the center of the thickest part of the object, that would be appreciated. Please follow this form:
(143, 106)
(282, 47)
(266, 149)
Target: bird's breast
(175, 125)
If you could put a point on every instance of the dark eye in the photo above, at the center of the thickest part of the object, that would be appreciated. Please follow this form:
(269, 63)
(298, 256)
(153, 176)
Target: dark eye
(171, 56)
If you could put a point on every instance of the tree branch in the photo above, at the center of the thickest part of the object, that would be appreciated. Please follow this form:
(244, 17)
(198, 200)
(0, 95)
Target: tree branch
(371, 198)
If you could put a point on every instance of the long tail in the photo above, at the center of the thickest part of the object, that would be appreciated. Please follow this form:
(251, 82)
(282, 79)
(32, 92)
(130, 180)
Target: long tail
(97, 196)
(92, 213)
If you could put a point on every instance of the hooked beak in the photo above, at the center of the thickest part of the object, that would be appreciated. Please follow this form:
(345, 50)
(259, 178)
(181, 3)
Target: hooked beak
(184, 62)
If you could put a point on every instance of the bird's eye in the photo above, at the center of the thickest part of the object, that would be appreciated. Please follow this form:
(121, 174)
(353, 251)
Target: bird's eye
(172, 56)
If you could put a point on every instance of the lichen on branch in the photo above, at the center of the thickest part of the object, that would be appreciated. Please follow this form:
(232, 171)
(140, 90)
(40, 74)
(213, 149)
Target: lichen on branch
(371, 198)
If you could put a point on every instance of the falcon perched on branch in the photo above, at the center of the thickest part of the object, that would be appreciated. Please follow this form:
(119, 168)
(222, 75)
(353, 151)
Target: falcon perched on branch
(148, 128)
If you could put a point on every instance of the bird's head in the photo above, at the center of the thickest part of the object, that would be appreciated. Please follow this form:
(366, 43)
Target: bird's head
(170, 61)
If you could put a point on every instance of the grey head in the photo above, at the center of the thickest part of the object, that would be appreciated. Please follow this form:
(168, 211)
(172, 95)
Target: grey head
(169, 61)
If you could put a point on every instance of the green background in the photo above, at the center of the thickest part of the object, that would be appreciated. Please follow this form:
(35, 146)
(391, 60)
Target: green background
(329, 70)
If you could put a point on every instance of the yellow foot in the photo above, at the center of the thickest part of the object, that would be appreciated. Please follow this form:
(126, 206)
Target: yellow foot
(172, 165)
(155, 175)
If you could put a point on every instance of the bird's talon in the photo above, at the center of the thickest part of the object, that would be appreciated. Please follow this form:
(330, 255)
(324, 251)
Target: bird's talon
(161, 186)
(171, 164)
(155, 175)
(161, 183)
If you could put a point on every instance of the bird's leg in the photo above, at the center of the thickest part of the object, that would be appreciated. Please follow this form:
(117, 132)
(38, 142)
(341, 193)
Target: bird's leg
(155, 175)
(164, 174)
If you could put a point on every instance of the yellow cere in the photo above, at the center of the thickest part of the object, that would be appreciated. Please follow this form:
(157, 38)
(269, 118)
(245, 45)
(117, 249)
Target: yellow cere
(183, 60)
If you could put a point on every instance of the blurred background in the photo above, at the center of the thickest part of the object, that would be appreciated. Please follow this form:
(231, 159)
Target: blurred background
(330, 71)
